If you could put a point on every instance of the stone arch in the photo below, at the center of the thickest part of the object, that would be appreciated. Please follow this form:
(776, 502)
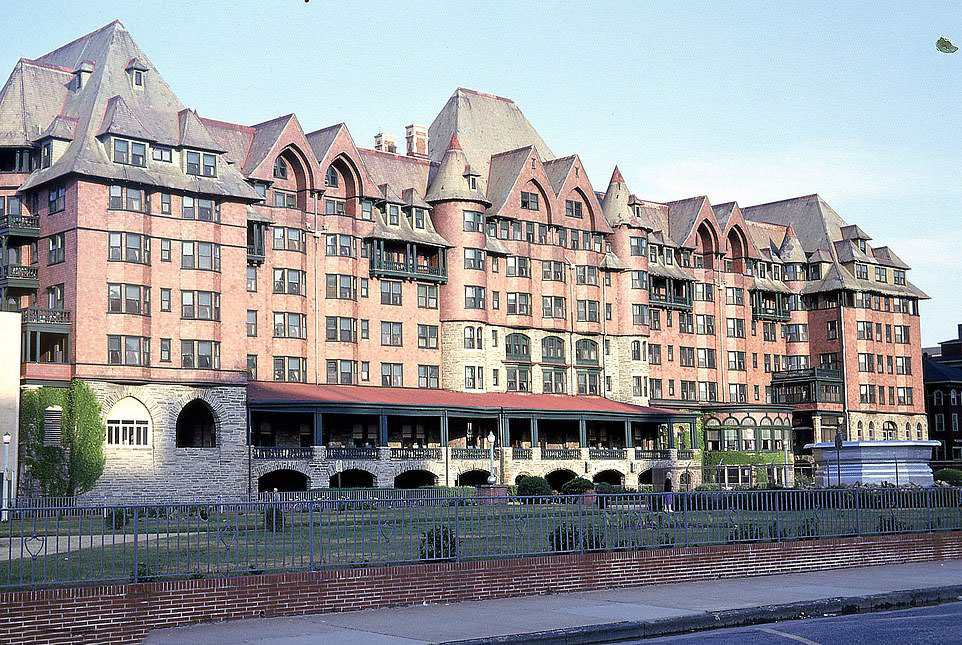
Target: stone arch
(128, 422)
(609, 476)
(300, 171)
(520, 476)
(474, 477)
(889, 430)
(415, 478)
(871, 430)
(559, 477)
(736, 248)
(285, 480)
(353, 184)
(749, 421)
(196, 426)
(918, 430)
(109, 399)
(211, 397)
(353, 478)
(712, 422)
(684, 481)
(706, 243)
(730, 421)
(765, 421)
(542, 195)
(645, 477)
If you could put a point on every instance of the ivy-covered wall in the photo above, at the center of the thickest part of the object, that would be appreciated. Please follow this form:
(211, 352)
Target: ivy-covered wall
(739, 458)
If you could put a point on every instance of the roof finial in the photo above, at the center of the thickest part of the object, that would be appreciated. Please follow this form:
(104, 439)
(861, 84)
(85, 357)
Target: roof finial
(454, 144)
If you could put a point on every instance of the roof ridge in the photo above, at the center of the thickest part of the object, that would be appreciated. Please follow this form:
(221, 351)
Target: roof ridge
(50, 66)
(787, 199)
(274, 120)
(508, 152)
(468, 90)
(225, 124)
(112, 23)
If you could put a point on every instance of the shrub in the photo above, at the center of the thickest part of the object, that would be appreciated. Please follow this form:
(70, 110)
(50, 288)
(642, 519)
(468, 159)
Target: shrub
(577, 486)
(951, 476)
(273, 518)
(439, 543)
(116, 519)
(567, 537)
(534, 486)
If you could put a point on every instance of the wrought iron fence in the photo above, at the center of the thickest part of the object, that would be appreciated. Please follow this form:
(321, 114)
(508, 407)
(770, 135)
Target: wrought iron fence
(561, 453)
(606, 453)
(95, 544)
(469, 453)
(416, 453)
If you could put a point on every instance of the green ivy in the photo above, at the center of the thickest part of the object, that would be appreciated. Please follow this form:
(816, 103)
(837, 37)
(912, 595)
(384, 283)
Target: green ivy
(739, 458)
(74, 468)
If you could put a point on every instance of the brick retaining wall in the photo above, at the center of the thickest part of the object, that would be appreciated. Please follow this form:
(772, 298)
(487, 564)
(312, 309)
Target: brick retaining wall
(124, 613)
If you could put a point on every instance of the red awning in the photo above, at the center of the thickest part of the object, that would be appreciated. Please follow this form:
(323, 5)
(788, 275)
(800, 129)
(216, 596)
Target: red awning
(261, 392)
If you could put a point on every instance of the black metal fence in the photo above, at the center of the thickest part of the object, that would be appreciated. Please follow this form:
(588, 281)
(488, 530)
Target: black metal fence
(93, 544)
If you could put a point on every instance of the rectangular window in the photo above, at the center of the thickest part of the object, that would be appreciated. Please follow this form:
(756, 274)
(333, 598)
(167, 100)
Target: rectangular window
(429, 376)
(553, 306)
(203, 256)
(128, 299)
(128, 350)
(552, 270)
(56, 199)
(251, 322)
(573, 208)
(585, 274)
(529, 201)
(427, 296)
(473, 297)
(390, 292)
(735, 327)
(252, 367)
(705, 325)
(392, 375)
(734, 296)
(519, 304)
(252, 279)
(427, 336)
(473, 221)
(474, 259)
(588, 311)
(293, 369)
(55, 249)
(391, 334)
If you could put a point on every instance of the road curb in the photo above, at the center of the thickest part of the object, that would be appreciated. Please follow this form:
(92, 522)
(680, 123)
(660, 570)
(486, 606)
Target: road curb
(612, 632)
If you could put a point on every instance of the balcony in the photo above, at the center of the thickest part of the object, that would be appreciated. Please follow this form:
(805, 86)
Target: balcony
(421, 454)
(469, 453)
(561, 453)
(281, 453)
(770, 313)
(521, 454)
(606, 453)
(408, 270)
(18, 276)
(669, 300)
(817, 373)
(46, 320)
(354, 453)
(652, 455)
(22, 226)
(256, 255)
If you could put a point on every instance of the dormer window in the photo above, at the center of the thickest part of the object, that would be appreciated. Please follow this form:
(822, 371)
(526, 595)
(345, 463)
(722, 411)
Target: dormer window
(131, 153)
(393, 215)
(280, 169)
(161, 153)
(532, 163)
(861, 271)
(202, 164)
(78, 80)
(138, 78)
(861, 245)
(260, 189)
(472, 182)
(45, 155)
(418, 218)
(330, 179)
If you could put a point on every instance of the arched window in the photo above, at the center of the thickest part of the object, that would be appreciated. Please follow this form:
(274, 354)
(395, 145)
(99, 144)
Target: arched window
(469, 338)
(280, 168)
(918, 431)
(861, 434)
(552, 349)
(636, 350)
(954, 397)
(330, 178)
(586, 352)
(938, 398)
(889, 430)
(517, 347)
(195, 426)
(871, 430)
(128, 423)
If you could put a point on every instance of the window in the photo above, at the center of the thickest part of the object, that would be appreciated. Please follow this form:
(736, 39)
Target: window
(290, 325)
(251, 322)
(128, 247)
(427, 296)
(518, 266)
(200, 305)
(131, 153)
(586, 352)
(336, 328)
(588, 383)
(586, 275)
(654, 354)
(738, 393)
(128, 299)
(639, 314)
(280, 168)
(294, 369)
(572, 208)
(553, 381)
(55, 249)
(128, 350)
(473, 221)
(736, 361)
(289, 239)
(344, 246)
(552, 270)
(552, 349)
(427, 336)
(429, 376)
(898, 277)
(330, 177)
(391, 334)
(517, 347)
(474, 259)
(587, 311)
(251, 279)
(392, 375)
(639, 279)
(686, 356)
(881, 274)
(529, 201)
(707, 391)
(165, 299)
(903, 364)
(204, 164)
(204, 256)
(473, 378)
(554, 306)
(390, 292)
(795, 332)
(165, 253)
(519, 378)
(337, 286)
(56, 199)
(128, 432)
(128, 198)
(735, 327)
(161, 153)
(901, 334)
(164, 350)
(734, 296)
(861, 271)
(705, 325)
(706, 357)
(519, 304)
(703, 291)
(252, 367)
(904, 395)
(637, 246)
(473, 297)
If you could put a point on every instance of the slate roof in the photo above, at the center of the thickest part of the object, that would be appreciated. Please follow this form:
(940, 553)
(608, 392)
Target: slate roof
(682, 215)
(505, 168)
(30, 99)
(265, 135)
(936, 372)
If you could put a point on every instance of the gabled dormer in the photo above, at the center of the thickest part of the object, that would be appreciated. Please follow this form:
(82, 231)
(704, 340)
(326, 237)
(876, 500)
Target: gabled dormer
(856, 235)
(137, 74)
(81, 75)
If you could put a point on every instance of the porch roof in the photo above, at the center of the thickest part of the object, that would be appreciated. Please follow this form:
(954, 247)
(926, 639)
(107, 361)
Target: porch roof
(268, 394)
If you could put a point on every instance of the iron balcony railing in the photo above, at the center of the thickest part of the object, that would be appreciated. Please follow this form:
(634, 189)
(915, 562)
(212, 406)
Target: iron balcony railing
(686, 455)
(808, 374)
(20, 224)
(561, 453)
(521, 454)
(607, 453)
(354, 453)
(42, 316)
(408, 268)
(282, 453)
(469, 453)
(416, 453)
(642, 455)
(18, 271)
(102, 544)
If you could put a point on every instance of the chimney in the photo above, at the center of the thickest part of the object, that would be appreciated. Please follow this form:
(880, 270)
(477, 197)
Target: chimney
(385, 142)
(417, 138)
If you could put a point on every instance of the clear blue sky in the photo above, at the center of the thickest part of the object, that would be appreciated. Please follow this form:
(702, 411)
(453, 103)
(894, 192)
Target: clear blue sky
(745, 101)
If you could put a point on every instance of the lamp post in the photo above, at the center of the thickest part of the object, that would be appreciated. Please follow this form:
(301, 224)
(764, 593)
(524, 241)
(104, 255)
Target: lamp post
(6, 472)
(491, 478)
(839, 439)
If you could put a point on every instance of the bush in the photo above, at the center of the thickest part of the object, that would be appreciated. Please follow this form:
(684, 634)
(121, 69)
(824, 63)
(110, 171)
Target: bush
(116, 519)
(530, 486)
(951, 476)
(577, 486)
(567, 537)
(439, 543)
(273, 518)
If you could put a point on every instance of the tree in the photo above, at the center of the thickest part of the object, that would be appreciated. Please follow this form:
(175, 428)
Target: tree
(74, 467)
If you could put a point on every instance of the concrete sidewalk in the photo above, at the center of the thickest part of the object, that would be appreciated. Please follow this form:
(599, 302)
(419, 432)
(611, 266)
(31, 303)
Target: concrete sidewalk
(682, 604)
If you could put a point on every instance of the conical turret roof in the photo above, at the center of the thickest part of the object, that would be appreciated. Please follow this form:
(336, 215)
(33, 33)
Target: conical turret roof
(450, 182)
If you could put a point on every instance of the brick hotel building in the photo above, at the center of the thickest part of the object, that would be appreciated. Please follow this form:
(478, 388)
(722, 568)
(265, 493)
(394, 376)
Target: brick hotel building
(257, 306)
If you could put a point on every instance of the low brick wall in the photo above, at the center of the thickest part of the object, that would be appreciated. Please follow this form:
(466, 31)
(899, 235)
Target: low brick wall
(124, 613)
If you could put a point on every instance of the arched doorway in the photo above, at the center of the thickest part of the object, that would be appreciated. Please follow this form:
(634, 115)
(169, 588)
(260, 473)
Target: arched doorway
(195, 426)
(285, 481)
(612, 477)
(352, 478)
(415, 479)
(558, 478)
(473, 478)
(644, 478)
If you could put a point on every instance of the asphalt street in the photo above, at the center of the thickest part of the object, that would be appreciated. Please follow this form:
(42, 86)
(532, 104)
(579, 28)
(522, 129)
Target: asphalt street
(940, 624)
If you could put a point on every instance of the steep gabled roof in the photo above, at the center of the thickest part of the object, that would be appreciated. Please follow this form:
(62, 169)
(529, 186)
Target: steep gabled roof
(336, 141)
(886, 257)
(682, 216)
(400, 171)
(485, 125)
(29, 101)
(119, 119)
(193, 134)
(62, 127)
(557, 171)
(234, 138)
(505, 170)
(816, 223)
(265, 136)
